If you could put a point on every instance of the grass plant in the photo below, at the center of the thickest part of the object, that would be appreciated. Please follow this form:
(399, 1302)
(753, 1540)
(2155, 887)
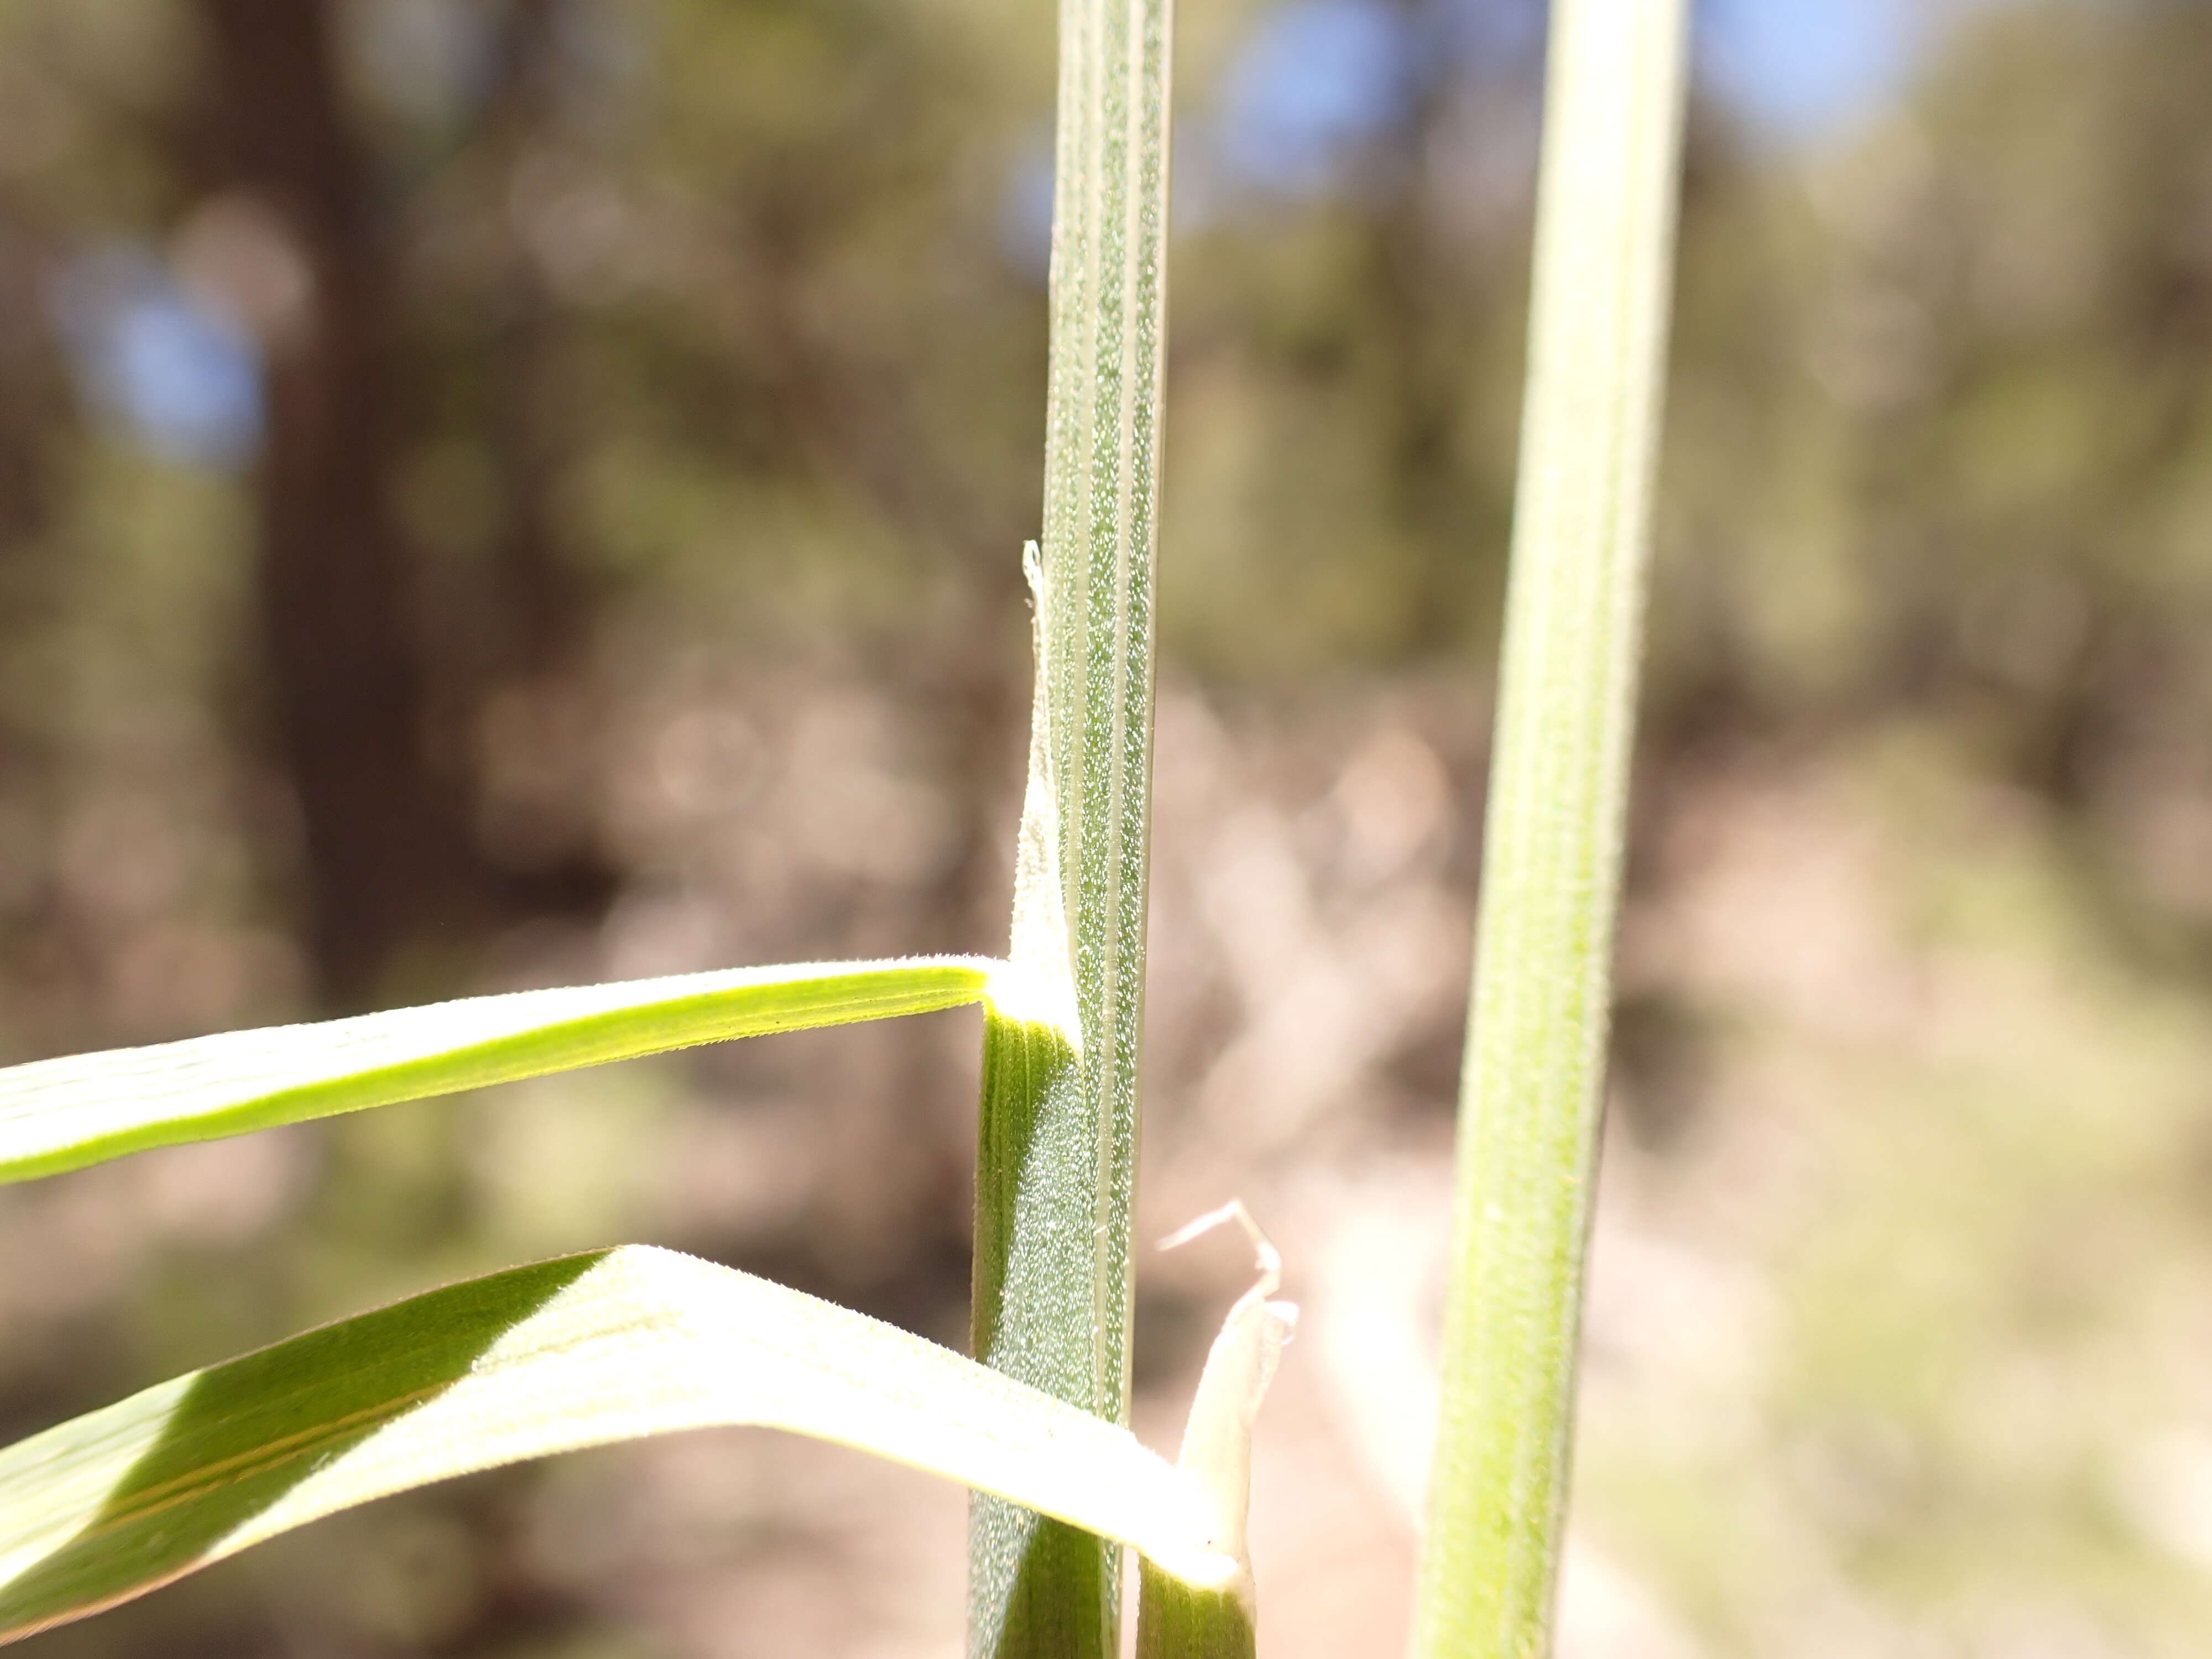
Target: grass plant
(634, 1340)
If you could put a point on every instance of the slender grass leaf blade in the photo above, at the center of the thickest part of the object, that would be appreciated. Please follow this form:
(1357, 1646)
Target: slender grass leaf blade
(580, 1351)
(58, 1115)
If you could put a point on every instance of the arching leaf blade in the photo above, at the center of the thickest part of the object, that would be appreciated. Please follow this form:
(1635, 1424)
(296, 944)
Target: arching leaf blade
(583, 1351)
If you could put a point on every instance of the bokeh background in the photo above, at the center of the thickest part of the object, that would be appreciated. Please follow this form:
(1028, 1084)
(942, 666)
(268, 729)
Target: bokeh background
(507, 492)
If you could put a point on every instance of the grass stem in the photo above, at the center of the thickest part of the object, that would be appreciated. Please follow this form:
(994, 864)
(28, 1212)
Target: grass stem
(1057, 1158)
(1532, 1095)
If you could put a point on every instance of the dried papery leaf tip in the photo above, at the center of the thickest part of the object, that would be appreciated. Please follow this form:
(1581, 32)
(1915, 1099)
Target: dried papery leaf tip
(1217, 1442)
(1266, 1256)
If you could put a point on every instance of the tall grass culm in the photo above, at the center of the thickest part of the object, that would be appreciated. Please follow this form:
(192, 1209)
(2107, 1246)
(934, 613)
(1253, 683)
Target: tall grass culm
(1531, 1103)
(1057, 1135)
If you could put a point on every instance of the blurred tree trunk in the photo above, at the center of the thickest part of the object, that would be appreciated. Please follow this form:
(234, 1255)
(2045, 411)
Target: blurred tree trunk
(545, 603)
(388, 852)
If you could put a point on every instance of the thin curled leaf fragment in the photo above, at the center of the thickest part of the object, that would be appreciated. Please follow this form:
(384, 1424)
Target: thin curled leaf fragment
(583, 1351)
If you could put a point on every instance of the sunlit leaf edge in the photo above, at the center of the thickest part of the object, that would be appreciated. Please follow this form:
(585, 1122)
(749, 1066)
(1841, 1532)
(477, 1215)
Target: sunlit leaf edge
(59, 1114)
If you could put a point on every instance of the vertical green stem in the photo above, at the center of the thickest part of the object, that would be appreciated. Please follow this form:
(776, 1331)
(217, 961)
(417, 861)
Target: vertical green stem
(1532, 1095)
(1057, 1150)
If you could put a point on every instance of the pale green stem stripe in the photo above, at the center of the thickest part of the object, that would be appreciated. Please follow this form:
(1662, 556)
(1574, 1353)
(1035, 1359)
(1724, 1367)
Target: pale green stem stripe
(581, 1351)
(59, 1114)
(1533, 1088)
